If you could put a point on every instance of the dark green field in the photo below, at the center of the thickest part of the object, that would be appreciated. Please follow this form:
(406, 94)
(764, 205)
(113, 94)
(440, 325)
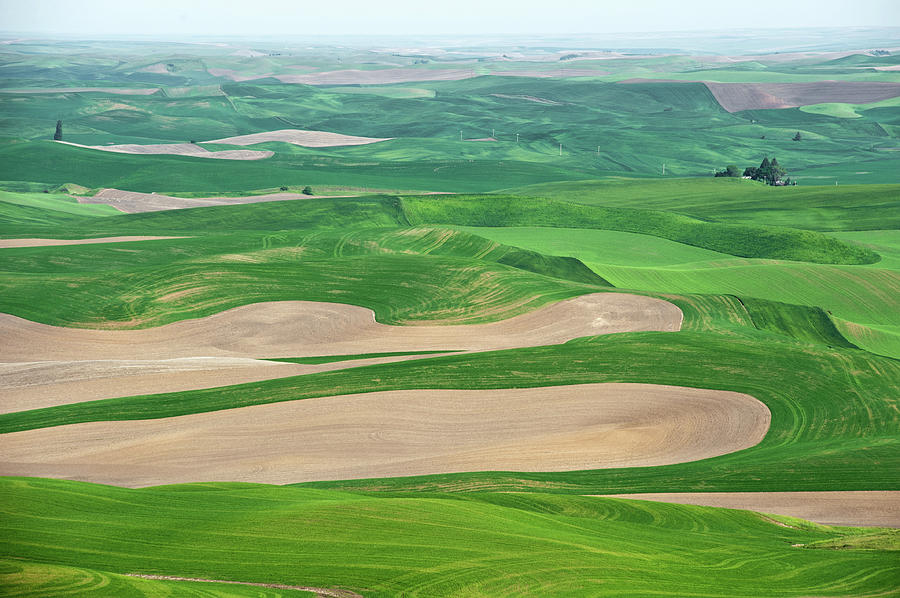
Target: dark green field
(789, 294)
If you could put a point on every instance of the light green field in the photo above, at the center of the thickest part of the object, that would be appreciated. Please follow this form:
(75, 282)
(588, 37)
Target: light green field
(29, 579)
(599, 246)
(819, 206)
(486, 545)
(56, 202)
(842, 110)
(865, 298)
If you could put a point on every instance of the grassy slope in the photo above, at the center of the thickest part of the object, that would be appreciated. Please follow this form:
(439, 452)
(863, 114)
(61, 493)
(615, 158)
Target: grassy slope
(629, 261)
(739, 240)
(57, 202)
(822, 208)
(32, 579)
(447, 275)
(866, 298)
(479, 545)
(55, 164)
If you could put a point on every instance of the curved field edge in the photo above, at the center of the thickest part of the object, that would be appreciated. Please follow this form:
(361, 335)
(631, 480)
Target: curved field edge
(445, 274)
(484, 544)
(396, 433)
(26, 578)
(741, 240)
(834, 415)
(880, 340)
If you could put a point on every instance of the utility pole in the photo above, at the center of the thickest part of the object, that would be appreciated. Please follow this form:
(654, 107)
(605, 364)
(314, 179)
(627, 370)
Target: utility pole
(492, 133)
(460, 134)
(517, 138)
(560, 149)
(664, 169)
(598, 150)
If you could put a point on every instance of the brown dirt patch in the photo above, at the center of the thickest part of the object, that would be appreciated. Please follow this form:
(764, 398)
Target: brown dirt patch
(299, 137)
(42, 384)
(735, 97)
(40, 359)
(378, 76)
(401, 433)
(309, 328)
(132, 202)
(854, 508)
(320, 592)
(125, 91)
(34, 242)
(560, 73)
(178, 149)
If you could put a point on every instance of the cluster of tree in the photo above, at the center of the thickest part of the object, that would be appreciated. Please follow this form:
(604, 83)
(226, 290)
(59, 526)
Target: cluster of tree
(770, 173)
(306, 190)
(58, 135)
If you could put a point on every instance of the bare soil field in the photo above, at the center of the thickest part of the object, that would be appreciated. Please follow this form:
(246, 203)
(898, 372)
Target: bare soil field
(854, 508)
(309, 328)
(8, 243)
(42, 366)
(125, 91)
(735, 97)
(319, 592)
(178, 149)
(557, 73)
(35, 385)
(399, 433)
(378, 76)
(132, 202)
(299, 137)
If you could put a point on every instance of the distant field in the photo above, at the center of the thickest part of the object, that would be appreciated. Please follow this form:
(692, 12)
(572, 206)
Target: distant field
(812, 207)
(604, 128)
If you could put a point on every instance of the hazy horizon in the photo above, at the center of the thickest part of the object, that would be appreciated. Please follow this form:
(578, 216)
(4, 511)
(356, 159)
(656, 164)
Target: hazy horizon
(206, 18)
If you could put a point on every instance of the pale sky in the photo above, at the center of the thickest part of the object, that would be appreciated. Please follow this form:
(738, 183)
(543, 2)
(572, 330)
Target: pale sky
(428, 17)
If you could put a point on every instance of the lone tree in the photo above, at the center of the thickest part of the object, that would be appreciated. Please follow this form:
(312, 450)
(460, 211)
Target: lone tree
(797, 137)
(307, 190)
(58, 135)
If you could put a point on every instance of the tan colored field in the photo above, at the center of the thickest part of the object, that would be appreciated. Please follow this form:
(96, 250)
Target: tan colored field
(378, 76)
(757, 96)
(308, 328)
(126, 91)
(45, 365)
(178, 149)
(735, 97)
(35, 385)
(299, 137)
(399, 433)
(132, 202)
(7, 243)
(555, 73)
(856, 508)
